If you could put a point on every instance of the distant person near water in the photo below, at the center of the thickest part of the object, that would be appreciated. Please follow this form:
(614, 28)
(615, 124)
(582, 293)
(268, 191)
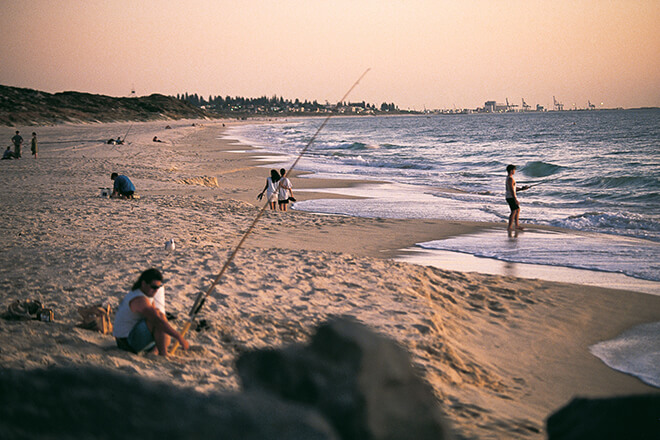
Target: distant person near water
(284, 191)
(141, 322)
(34, 145)
(271, 189)
(18, 141)
(512, 199)
(123, 186)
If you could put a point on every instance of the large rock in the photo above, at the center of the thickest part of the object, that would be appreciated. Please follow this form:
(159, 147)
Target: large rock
(362, 382)
(95, 404)
(630, 418)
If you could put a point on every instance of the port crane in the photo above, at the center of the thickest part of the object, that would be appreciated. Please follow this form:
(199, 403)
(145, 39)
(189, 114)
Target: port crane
(525, 106)
(558, 106)
(510, 107)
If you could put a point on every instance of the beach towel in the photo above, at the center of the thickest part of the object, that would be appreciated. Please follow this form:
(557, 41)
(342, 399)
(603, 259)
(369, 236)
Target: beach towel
(23, 310)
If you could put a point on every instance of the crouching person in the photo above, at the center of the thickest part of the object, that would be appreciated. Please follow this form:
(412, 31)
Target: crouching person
(140, 321)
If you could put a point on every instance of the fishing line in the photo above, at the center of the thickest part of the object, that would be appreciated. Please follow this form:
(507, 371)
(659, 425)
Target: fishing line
(201, 297)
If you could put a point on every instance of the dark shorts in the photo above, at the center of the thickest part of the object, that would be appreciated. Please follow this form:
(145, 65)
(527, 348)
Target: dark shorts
(283, 202)
(126, 193)
(512, 204)
(139, 339)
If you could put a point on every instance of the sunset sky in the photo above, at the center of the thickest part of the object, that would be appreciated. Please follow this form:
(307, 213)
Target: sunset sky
(433, 54)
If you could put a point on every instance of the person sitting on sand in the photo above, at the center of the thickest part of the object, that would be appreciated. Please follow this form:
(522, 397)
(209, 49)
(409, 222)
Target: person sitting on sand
(155, 139)
(284, 191)
(271, 189)
(512, 199)
(140, 322)
(8, 155)
(123, 186)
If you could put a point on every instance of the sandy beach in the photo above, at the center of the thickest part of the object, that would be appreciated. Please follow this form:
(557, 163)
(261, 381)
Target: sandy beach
(500, 352)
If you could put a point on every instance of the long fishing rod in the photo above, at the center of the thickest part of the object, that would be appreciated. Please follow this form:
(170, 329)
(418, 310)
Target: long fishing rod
(542, 182)
(129, 129)
(201, 297)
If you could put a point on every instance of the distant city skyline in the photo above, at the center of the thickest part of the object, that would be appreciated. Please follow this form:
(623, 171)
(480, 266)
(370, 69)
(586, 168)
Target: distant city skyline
(423, 54)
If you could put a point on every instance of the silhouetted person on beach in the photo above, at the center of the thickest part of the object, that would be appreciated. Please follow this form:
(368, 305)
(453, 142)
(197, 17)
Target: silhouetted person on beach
(18, 141)
(8, 155)
(141, 322)
(271, 189)
(123, 187)
(512, 199)
(284, 191)
(34, 145)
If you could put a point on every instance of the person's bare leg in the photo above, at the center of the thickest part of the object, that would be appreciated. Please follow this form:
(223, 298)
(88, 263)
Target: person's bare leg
(162, 341)
(518, 224)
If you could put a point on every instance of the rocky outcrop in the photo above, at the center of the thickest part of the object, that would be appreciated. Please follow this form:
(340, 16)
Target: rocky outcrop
(349, 383)
(361, 382)
(630, 417)
(97, 404)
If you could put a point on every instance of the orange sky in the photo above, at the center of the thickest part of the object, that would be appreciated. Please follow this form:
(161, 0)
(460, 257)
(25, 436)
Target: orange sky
(433, 54)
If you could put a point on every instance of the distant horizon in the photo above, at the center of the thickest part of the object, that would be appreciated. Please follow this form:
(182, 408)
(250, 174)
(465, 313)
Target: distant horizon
(377, 104)
(433, 54)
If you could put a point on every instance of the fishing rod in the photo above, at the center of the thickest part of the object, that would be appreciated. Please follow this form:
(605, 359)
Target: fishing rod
(542, 182)
(201, 297)
(70, 142)
(129, 129)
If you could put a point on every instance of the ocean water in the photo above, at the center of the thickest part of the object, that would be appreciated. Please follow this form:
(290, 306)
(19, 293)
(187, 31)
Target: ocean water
(596, 173)
(636, 351)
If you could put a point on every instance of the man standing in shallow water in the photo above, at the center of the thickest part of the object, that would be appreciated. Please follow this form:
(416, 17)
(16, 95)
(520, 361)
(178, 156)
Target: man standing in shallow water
(512, 199)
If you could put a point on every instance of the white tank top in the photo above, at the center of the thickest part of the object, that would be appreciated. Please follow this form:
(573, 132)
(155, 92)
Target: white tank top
(125, 318)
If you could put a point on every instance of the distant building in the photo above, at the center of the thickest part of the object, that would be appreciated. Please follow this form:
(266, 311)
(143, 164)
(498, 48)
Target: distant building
(495, 107)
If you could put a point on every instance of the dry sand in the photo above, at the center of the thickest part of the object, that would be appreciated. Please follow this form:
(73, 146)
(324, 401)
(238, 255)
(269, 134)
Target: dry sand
(501, 353)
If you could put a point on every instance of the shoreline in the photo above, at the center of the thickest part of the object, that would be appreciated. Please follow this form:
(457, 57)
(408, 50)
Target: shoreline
(499, 352)
(405, 246)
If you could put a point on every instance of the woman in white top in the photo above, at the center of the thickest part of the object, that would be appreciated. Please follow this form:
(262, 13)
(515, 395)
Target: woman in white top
(140, 322)
(271, 189)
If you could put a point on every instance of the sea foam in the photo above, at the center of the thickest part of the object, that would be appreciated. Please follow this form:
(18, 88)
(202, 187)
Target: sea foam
(635, 351)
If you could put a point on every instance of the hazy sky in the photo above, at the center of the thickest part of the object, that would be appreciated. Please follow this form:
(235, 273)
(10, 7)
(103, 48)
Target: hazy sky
(433, 54)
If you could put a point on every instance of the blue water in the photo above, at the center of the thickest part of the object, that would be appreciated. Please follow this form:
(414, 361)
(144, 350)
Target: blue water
(598, 173)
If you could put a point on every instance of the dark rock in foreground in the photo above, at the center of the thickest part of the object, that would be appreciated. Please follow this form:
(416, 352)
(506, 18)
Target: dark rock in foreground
(360, 381)
(630, 418)
(96, 404)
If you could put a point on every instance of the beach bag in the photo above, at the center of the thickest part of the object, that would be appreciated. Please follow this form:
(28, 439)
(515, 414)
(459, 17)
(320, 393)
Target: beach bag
(96, 318)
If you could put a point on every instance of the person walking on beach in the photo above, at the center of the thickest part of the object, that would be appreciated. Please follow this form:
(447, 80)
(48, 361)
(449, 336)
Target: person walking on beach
(141, 323)
(18, 141)
(512, 199)
(271, 189)
(123, 186)
(34, 146)
(284, 191)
